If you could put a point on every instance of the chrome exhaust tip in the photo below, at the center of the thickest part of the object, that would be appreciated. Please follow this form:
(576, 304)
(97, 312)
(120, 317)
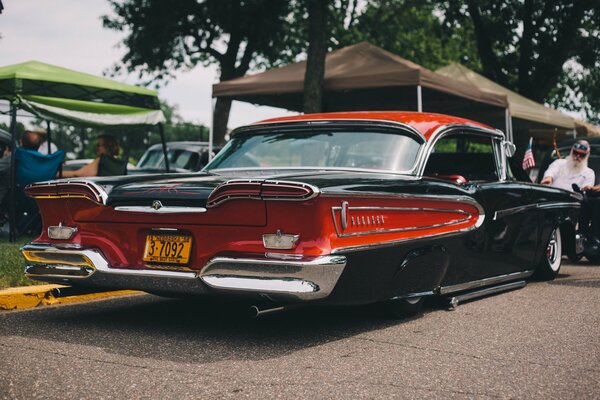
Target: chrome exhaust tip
(258, 312)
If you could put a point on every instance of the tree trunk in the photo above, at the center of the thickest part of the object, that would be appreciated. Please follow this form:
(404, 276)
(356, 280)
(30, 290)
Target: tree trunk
(221, 117)
(317, 48)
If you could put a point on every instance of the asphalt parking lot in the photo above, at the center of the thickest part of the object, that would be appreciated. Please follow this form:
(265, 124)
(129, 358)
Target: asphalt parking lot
(542, 341)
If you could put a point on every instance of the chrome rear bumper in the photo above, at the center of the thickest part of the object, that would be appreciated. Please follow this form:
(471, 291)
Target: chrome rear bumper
(280, 279)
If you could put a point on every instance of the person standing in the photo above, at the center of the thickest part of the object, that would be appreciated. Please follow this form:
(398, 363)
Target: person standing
(105, 164)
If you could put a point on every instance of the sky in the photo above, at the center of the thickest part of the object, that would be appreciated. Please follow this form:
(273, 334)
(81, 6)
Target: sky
(69, 33)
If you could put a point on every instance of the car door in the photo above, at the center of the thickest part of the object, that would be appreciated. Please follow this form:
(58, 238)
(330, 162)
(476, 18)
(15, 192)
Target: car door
(506, 241)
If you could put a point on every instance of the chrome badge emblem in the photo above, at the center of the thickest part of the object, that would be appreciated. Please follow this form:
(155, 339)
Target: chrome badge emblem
(156, 204)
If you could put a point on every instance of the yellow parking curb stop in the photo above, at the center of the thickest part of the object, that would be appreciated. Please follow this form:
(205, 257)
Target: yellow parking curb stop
(40, 295)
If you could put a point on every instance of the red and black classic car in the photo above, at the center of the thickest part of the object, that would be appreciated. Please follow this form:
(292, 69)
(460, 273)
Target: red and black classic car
(340, 208)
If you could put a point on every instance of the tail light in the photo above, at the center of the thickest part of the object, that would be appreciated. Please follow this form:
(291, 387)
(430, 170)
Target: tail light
(78, 189)
(261, 190)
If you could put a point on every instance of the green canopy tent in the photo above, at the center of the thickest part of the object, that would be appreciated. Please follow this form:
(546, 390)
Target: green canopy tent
(65, 96)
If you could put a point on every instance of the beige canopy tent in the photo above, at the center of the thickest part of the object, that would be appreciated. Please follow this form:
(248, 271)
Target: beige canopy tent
(528, 118)
(520, 106)
(366, 77)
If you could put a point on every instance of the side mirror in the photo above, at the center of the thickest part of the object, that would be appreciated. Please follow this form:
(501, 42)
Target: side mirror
(509, 148)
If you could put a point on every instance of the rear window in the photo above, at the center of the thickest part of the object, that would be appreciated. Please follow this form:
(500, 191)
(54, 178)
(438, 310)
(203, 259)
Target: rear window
(324, 149)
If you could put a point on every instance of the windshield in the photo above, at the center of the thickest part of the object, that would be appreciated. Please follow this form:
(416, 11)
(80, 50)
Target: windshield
(322, 149)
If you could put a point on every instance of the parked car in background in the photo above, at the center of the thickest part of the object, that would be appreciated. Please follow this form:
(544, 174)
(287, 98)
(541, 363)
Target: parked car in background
(340, 208)
(73, 165)
(183, 157)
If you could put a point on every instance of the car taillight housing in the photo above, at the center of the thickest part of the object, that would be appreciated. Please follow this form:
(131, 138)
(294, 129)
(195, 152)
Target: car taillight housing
(261, 190)
(78, 189)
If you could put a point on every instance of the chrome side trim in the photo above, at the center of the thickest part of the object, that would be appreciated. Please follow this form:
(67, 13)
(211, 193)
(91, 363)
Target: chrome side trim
(485, 282)
(515, 210)
(370, 246)
(559, 205)
(306, 279)
(340, 233)
(162, 210)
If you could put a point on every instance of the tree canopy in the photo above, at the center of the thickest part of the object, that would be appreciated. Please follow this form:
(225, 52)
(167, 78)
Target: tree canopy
(548, 51)
(162, 37)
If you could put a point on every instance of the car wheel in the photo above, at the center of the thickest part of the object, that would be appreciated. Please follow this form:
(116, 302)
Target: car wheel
(550, 264)
(405, 307)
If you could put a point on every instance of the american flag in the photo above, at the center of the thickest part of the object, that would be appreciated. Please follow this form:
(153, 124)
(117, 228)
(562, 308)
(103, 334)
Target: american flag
(528, 160)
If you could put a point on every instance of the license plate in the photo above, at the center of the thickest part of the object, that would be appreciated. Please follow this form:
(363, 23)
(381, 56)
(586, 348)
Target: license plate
(169, 249)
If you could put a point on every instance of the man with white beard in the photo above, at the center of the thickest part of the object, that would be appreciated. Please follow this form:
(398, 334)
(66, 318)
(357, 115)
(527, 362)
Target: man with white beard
(563, 173)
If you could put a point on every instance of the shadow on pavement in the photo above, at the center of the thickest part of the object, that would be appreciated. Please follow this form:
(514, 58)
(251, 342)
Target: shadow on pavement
(194, 331)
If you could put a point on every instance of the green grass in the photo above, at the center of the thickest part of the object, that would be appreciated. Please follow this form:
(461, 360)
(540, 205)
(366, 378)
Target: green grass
(12, 264)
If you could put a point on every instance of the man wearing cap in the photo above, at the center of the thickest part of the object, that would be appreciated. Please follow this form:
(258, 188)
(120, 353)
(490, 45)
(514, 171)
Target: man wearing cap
(563, 173)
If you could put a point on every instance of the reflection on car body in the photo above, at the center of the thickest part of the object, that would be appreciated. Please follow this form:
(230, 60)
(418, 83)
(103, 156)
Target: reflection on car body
(341, 208)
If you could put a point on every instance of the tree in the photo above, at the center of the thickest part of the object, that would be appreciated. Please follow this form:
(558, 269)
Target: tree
(162, 37)
(317, 49)
(412, 29)
(539, 48)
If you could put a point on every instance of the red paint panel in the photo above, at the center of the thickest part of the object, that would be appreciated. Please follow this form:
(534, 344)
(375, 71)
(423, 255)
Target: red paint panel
(121, 236)
(425, 123)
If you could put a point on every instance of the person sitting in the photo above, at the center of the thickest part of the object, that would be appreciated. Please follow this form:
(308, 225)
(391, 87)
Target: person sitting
(573, 169)
(30, 141)
(43, 139)
(105, 164)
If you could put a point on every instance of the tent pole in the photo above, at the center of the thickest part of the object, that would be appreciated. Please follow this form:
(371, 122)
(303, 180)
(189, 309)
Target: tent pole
(211, 128)
(510, 126)
(419, 99)
(161, 130)
(49, 140)
(12, 234)
(506, 125)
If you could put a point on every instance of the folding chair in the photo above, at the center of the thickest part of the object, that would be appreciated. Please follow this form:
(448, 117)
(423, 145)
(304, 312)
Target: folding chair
(32, 166)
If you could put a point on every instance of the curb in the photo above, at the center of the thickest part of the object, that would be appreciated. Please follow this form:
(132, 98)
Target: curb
(42, 295)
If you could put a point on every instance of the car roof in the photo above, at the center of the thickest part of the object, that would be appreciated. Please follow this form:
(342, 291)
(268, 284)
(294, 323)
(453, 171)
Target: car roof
(425, 123)
(182, 145)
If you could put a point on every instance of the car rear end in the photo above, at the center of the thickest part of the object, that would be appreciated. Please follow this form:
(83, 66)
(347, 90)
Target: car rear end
(235, 237)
